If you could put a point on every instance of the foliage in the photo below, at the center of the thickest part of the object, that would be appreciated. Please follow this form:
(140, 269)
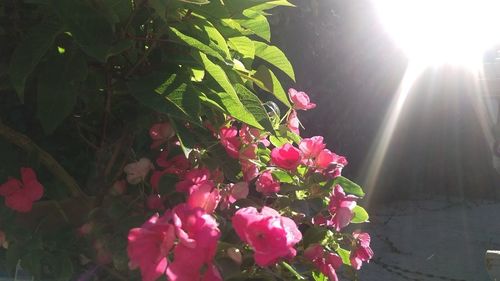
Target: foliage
(92, 91)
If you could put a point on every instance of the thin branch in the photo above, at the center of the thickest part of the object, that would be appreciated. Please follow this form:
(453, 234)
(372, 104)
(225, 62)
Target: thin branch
(46, 159)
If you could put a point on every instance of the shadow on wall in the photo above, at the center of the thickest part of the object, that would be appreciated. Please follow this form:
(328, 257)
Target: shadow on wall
(351, 69)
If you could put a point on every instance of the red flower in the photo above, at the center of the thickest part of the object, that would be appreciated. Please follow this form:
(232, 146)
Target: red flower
(20, 196)
(300, 100)
(286, 157)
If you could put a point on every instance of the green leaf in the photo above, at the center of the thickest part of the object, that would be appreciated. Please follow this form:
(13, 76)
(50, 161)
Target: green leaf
(271, 84)
(91, 29)
(229, 99)
(186, 139)
(254, 106)
(29, 53)
(318, 276)
(282, 176)
(344, 255)
(314, 235)
(57, 89)
(195, 43)
(272, 4)
(242, 45)
(274, 56)
(119, 9)
(219, 42)
(360, 215)
(257, 23)
(292, 270)
(349, 186)
(167, 93)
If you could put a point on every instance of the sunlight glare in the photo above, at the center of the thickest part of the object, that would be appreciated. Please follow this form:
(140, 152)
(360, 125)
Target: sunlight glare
(441, 31)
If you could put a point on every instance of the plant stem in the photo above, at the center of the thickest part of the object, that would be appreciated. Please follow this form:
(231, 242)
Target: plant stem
(292, 270)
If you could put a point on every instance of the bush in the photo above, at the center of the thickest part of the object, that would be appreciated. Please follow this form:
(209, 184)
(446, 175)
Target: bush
(153, 139)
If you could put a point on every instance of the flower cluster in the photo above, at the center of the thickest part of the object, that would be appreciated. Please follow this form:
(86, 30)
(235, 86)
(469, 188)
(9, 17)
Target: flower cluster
(182, 243)
(246, 198)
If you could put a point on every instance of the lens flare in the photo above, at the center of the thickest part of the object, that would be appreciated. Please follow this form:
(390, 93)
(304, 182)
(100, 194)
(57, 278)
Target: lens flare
(441, 31)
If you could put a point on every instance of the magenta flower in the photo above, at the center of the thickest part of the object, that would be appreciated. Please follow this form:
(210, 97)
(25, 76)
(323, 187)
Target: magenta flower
(230, 140)
(198, 235)
(363, 252)
(286, 157)
(266, 184)
(271, 236)
(192, 179)
(293, 123)
(20, 195)
(233, 192)
(300, 100)
(160, 133)
(326, 262)
(149, 245)
(341, 208)
(204, 196)
(311, 147)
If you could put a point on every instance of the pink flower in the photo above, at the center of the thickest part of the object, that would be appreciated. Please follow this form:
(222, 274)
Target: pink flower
(311, 147)
(198, 235)
(149, 245)
(192, 179)
(177, 165)
(266, 184)
(138, 171)
(271, 236)
(326, 262)
(341, 208)
(204, 196)
(293, 123)
(230, 140)
(20, 195)
(300, 100)
(234, 192)
(249, 168)
(160, 133)
(363, 252)
(286, 157)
